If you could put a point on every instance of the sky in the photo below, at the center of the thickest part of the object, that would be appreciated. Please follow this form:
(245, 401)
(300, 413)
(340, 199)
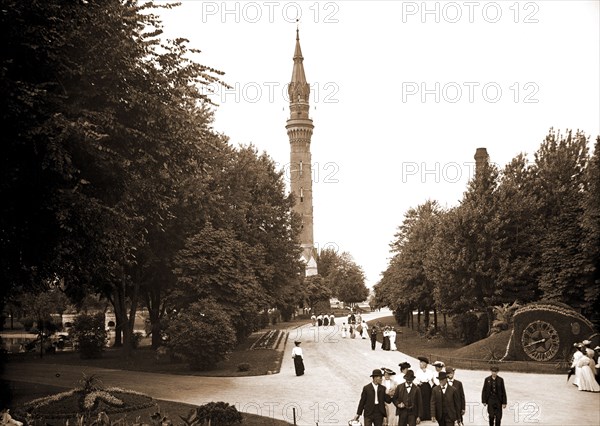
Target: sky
(403, 93)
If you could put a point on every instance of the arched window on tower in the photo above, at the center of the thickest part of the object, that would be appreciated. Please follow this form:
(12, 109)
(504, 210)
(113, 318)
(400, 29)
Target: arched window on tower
(301, 195)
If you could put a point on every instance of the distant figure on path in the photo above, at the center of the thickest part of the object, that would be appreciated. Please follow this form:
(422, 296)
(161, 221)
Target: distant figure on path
(373, 337)
(365, 330)
(372, 401)
(493, 395)
(298, 358)
(331, 319)
(344, 330)
(313, 319)
(325, 320)
(319, 320)
(393, 339)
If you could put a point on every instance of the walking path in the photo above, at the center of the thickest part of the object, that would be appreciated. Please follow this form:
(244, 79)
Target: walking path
(328, 394)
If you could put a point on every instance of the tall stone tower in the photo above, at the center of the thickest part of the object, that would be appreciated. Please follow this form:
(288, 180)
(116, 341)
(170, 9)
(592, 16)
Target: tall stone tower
(299, 129)
(481, 159)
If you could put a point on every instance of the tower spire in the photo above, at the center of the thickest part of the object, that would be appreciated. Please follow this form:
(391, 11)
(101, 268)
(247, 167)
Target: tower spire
(299, 128)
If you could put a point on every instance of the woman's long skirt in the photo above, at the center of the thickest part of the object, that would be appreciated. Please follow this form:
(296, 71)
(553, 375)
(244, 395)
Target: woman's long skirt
(299, 365)
(426, 397)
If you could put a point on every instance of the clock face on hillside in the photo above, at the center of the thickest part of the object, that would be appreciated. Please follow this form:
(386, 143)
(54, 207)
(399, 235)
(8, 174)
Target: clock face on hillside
(540, 341)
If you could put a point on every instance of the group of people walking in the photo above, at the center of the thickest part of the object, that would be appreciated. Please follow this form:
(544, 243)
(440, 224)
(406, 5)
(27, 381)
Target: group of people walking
(586, 367)
(424, 395)
(322, 319)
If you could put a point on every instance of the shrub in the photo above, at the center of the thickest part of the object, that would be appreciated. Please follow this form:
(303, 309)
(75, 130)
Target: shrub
(136, 339)
(243, 366)
(89, 335)
(466, 326)
(27, 323)
(218, 414)
(202, 334)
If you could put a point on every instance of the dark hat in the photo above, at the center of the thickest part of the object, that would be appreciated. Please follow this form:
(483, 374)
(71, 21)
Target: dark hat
(410, 375)
(424, 359)
(377, 372)
(442, 375)
(450, 370)
(405, 364)
(297, 342)
(388, 371)
(438, 364)
(494, 368)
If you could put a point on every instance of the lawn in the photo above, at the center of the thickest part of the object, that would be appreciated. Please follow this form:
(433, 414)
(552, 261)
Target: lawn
(475, 356)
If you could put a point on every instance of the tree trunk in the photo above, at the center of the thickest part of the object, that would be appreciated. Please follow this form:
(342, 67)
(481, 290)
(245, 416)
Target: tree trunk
(419, 319)
(435, 324)
(445, 323)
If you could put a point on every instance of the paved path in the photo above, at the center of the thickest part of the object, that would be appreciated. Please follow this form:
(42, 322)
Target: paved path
(336, 370)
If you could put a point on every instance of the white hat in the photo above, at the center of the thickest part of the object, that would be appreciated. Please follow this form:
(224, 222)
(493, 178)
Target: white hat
(438, 364)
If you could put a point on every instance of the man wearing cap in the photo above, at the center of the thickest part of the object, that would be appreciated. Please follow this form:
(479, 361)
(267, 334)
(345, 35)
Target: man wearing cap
(408, 401)
(445, 406)
(372, 401)
(457, 384)
(493, 395)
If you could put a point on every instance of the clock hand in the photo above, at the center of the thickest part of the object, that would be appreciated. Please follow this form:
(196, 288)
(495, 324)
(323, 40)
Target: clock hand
(536, 342)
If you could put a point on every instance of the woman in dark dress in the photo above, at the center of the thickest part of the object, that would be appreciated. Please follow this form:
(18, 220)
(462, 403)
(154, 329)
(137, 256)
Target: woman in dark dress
(298, 359)
(385, 344)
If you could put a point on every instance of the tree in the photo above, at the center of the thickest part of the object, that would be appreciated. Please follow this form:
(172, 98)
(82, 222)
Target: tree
(590, 244)
(316, 291)
(347, 281)
(202, 334)
(559, 173)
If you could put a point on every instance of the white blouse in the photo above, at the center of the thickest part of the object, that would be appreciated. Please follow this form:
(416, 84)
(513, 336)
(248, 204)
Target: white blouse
(424, 376)
(297, 351)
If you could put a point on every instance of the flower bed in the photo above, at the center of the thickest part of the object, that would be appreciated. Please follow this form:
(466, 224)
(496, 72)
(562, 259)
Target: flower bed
(267, 341)
(69, 404)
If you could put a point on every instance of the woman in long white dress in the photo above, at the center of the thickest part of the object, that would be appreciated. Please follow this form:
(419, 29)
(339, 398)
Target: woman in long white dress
(344, 332)
(392, 334)
(587, 380)
(576, 357)
(365, 330)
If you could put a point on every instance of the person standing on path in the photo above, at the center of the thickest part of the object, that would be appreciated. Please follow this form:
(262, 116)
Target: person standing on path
(424, 379)
(298, 358)
(390, 387)
(373, 337)
(372, 401)
(445, 406)
(408, 401)
(493, 395)
(457, 384)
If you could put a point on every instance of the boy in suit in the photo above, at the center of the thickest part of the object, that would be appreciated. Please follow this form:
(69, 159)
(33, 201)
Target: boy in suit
(493, 395)
(372, 401)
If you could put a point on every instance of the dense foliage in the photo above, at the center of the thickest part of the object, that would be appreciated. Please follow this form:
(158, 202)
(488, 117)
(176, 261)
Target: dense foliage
(89, 334)
(112, 178)
(201, 334)
(526, 233)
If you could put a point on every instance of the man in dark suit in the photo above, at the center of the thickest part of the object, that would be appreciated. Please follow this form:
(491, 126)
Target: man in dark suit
(445, 406)
(494, 396)
(373, 336)
(407, 399)
(457, 384)
(372, 401)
